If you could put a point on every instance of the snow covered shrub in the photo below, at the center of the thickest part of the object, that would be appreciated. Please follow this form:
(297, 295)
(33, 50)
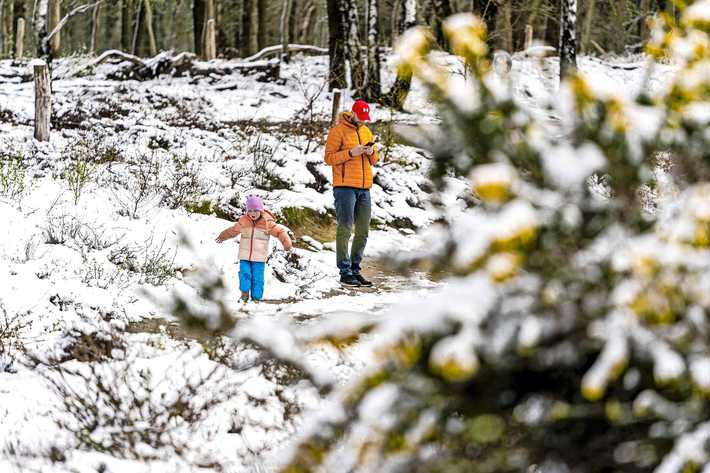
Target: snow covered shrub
(138, 187)
(12, 174)
(153, 261)
(184, 185)
(98, 274)
(130, 409)
(573, 332)
(10, 341)
(264, 164)
(59, 229)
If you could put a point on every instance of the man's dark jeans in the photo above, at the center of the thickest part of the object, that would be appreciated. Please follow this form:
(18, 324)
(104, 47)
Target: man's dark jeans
(352, 207)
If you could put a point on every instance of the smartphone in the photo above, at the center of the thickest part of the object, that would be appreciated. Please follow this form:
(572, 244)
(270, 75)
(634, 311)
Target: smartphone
(370, 143)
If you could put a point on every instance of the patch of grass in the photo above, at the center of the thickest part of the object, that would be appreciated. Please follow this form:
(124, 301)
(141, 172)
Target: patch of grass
(304, 221)
(203, 207)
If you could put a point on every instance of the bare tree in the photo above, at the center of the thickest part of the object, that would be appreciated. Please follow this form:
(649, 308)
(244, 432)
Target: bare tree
(95, 28)
(372, 86)
(568, 34)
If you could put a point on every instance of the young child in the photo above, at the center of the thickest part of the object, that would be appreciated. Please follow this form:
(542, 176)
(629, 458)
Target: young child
(255, 227)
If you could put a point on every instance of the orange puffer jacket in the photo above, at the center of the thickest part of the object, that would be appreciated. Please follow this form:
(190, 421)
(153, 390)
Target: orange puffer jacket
(254, 245)
(349, 172)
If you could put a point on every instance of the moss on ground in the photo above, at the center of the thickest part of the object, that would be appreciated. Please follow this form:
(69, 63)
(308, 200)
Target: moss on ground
(304, 221)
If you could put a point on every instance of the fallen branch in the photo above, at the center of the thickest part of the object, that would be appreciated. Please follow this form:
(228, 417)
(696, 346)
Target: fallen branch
(293, 48)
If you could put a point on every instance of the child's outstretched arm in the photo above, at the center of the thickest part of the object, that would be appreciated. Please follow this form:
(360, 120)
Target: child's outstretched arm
(230, 232)
(279, 231)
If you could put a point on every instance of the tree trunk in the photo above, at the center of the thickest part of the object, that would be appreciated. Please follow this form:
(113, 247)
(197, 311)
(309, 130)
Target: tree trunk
(250, 27)
(148, 10)
(43, 101)
(55, 18)
(373, 88)
(210, 40)
(442, 10)
(261, 25)
(198, 25)
(126, 20)
(137, 29)
(353, 53)
(507, 43)
(568, 41)
(306, 29)
(336, 46)
(18, 11)
(285, 16)
(394, 21)
(94, 28)
(2, 28)
(20, 38)
(41, 25)
(643, 26)
(588, 21)
(397, 95)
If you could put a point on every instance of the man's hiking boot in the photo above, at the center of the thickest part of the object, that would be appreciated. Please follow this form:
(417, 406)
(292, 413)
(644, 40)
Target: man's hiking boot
(350, 281)
(362, 281)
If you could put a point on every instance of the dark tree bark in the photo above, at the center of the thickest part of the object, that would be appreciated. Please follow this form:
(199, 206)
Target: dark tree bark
(261, 14)
(336, 46)
(441, 11)
(568, 35)
(198, 24)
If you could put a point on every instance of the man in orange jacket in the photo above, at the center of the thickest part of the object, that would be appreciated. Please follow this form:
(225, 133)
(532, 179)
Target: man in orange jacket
(351, 152)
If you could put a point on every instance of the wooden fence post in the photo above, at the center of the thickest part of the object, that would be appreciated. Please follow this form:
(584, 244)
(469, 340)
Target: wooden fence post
(336, 106)
(43, 102)
(211, 40)
(528, 37)
(20, 38)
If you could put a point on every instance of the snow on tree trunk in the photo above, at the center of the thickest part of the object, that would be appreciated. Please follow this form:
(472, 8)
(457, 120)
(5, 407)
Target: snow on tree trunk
(353, 54)
(44, 50)
(336, 46)
(568, 35)
(372, 86)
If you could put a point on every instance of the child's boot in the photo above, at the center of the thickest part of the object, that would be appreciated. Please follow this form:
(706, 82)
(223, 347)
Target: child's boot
(245, 296)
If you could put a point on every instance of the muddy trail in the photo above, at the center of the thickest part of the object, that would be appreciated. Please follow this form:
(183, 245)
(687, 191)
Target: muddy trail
(388, 287)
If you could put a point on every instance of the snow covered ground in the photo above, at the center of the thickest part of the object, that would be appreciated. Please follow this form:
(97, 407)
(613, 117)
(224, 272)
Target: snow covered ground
(89, 252)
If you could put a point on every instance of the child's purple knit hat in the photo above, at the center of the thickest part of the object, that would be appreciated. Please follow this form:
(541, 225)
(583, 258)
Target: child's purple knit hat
(254, 203)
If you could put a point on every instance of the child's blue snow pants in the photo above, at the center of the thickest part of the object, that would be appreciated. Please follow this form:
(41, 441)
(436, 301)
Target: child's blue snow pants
(251, 278)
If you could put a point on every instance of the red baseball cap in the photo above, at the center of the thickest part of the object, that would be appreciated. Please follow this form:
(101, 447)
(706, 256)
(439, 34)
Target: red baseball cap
(361, 109)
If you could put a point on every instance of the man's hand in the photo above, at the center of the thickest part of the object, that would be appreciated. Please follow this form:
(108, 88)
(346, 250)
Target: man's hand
(370, 150)
(357, 150)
